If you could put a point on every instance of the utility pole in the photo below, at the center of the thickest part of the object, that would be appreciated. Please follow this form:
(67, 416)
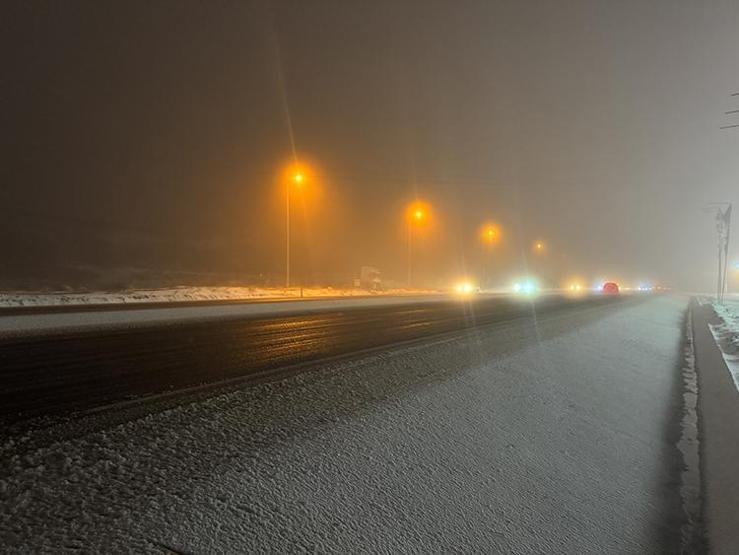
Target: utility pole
(723, 223)
(723, 227)
(723, 232)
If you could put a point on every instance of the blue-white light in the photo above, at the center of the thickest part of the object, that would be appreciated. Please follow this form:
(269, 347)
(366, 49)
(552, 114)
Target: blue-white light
(525, 287)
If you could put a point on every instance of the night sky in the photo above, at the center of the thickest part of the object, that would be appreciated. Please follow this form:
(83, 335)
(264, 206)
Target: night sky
(147, 138)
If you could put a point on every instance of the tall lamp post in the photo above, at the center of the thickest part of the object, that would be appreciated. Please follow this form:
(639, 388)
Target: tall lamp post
(297, 179)
(490, 236)
(417, 216)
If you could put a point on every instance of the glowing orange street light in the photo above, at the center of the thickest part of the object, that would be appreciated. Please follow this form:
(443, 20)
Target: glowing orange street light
(539, 247)
(490, 234)
(417, 215)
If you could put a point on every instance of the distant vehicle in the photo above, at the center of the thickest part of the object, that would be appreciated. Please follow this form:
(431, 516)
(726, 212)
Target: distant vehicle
(610, 288)
(526, 287)
(466, 288)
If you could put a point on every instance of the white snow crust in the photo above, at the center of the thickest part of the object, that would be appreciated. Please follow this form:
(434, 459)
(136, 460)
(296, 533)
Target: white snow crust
(183, 294)
(726, 335)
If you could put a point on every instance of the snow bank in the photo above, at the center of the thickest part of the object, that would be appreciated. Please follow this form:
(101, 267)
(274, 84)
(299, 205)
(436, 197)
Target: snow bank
(726, 335)
(182, 294)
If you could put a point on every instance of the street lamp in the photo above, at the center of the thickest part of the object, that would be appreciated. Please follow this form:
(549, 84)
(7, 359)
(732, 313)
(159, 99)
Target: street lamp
(296, 177)
(489, 237)
(490, 234)
(539, 247)
(417, 215)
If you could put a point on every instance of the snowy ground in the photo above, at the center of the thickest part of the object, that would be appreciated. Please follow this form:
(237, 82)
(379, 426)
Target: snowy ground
(515, 439)
(182, 294)
(726, 335)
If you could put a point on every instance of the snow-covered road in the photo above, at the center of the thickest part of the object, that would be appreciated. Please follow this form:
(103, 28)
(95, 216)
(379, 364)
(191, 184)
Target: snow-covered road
(548, 435)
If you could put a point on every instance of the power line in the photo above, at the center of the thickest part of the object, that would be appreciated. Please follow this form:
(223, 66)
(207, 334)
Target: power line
(730, 112)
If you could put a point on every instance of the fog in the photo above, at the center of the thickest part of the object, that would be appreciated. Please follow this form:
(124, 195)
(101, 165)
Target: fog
(143, 143)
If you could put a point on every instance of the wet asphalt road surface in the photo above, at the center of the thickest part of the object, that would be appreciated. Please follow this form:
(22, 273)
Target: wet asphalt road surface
(51, 374)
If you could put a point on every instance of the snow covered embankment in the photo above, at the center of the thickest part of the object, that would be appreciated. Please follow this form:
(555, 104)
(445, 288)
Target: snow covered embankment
(726, 335)
(182, 294)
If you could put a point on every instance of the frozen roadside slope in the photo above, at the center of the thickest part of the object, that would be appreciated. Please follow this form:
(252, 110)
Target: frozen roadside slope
(726, 335)
(179, 295)
(512, 439)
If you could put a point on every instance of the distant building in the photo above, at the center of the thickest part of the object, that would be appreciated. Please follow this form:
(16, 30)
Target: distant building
(369, 278)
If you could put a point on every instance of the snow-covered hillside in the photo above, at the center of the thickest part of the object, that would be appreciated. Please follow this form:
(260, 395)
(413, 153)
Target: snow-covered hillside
(181, 294)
